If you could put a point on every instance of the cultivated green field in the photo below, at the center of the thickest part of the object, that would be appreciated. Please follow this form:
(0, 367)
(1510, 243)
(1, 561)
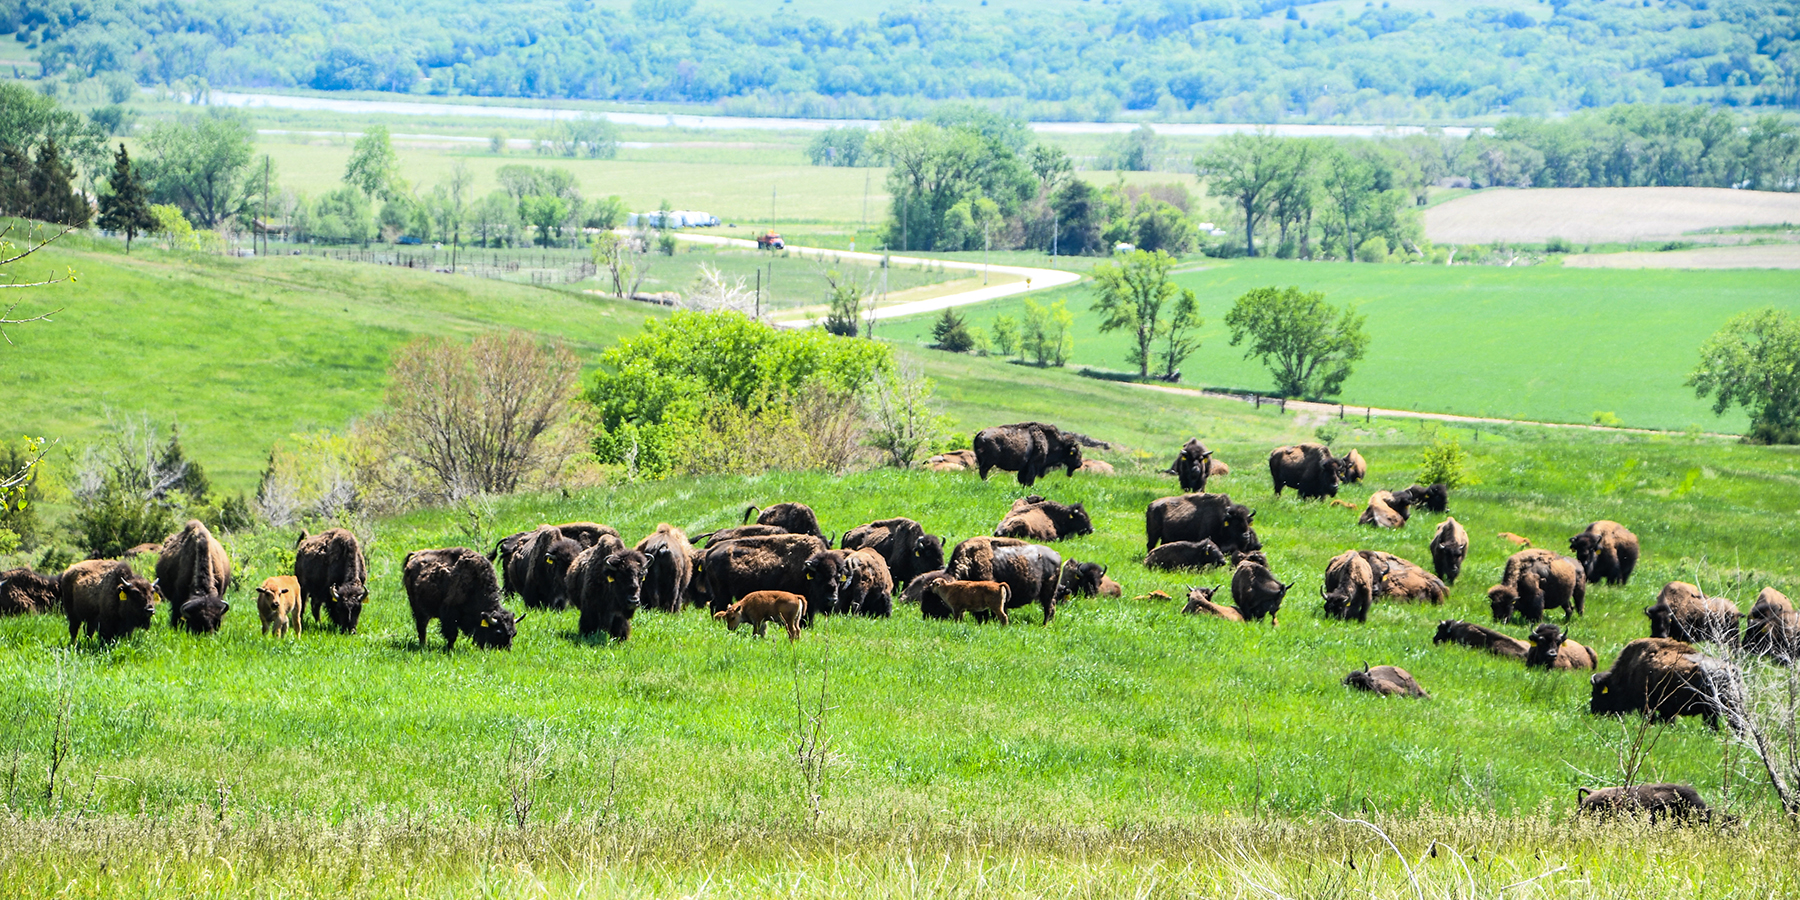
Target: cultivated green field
(1540, 342)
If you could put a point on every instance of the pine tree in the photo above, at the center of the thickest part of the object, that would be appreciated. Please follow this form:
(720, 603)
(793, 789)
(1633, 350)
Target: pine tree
(126, 209)
(52, 195)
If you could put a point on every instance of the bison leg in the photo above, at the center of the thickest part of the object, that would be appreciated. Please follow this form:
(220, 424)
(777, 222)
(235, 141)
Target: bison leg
(760, 628)
(74, 630)
(793, 627)
(621, 629)
(984, 470)
(1049, 604)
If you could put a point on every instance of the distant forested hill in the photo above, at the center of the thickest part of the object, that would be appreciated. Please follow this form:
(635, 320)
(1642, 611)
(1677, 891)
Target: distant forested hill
(1256, 60)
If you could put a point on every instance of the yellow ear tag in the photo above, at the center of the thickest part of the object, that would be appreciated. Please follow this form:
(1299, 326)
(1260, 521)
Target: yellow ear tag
(121, 596)
(610, 579)
(549, 560)
(485, 623)
(809, 576)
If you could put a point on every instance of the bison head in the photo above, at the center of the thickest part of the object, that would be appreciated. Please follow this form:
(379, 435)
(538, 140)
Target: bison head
(625, 579)
(1546, 644)
(1082, 579)
(824, 574)
(928, 553)
(1075, 522)
(1600, 699)
(1501, 599)
(137, 601)
(732, 616)
(1446, 631)
(1585, 547)
(346, 605)
(495, 629)
(1361, 680)
(1198, 597)
(1662, 620)
(202, 615)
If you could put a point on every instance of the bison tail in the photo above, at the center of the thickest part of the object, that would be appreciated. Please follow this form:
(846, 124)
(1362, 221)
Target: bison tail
(301, 539)
(748, 512)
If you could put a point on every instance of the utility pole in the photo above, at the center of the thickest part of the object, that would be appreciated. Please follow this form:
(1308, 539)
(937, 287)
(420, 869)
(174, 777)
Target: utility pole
(759, 293)
(1055, 232)
(865, 222)
(984, 253)
(265, 209)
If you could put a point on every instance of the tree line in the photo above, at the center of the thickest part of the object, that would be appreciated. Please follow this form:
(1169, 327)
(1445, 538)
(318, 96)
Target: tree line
(1229, 60)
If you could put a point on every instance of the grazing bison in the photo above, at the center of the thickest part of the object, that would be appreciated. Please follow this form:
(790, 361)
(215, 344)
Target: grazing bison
(1469, 634)
(954, 461)
(1037, 519)
(1033, 572)
(1200, 517)
(1449, 547)
(1349, 587)
(204, 615)
(24, 592)
(457, 587)
(330, 569)
(867, 588)
(537, 569)
(990, 597)
(1257, 592)
(909, 551)
(668, 567)
(1551, 650)
(1192, 466)
(606, 583)
(1031, 449)
(730, 571)
(278, 604)
(1353, 469)
(107, 598)
(794, 518)
(715, 538)
(1386, 509)
(1309, 469)
(1200, 603)
(1608, 552)
(1388, 681)
(1666, 678)
(1535, 581)
(759, 608)
(1657, 801)
(193, 566)
(1435, 498)
(1773, 627)
(1185, 555)
(1684, 613)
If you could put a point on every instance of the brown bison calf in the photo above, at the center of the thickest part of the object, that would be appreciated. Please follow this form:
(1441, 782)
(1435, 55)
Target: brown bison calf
(1388, 681)
(1551, 650)
(1684, 613)
(107, 598)
(24, 592)
(278, 602)
(1200, 603)
(960, 597)
(759, 607)
(1658, 801)
(954, 461)
(1469, 634)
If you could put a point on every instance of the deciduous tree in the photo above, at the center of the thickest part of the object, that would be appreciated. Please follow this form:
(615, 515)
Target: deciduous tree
(1132, 293)
(198, 164)
(1308, 345)
(1245, 168)
(1754, 362)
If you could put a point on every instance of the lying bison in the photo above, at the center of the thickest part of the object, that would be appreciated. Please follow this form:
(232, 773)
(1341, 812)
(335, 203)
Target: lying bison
(1481, 637)
(457, 587)
(729, 571)
(1386, 509)
(193, 567)
(1309, 469)
(953, 461)
(1435, 497)
(1773, 627)
(1402, 579)
(1679, 802)
(1192, 466)
(606, 583)
(1200, 603)
(903, 543)
(106, 598)
(1550, 649)
(668, 567)
(1684, 613)
(1037, 519)
(1185, 555)
(24, 592)
(1200, 517)
(1388, 681)
(1031, 449)
(1034, 573)
(1449, 547)
(713, 539)
(1349, 587)
(1535, 581)
(1608, 552)
(332, 574)
(1666, 678)
(794, 518)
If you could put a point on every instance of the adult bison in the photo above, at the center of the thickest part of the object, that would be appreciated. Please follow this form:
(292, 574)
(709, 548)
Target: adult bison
(1386, 509)
(1449, 547)
(712, 539)
(1436, 497)
(24, 592)
(1666, 800)
(1608, 552)
(1192, 466)
(1185, 555)
(1551, 649)
(1033, 572)
(1349, 587)
(1535, 581)
(794, 518)
(107, 598)
(1084, 579)
(193, 573)
(1684, 613)
(457, 586)
(1031, 449)
(1257, 592)
(867, 588)
(1035, 518)
(1200, 517)
(729, 571)
(606, 583)
(1309, 469)
(909, 551)
(1388, 681)
(1402, 579)
(1773, 627)
(332, 574)
(1481, 637)
(668, 567)
(537, 567)
(1666, 678)
(1352, 468)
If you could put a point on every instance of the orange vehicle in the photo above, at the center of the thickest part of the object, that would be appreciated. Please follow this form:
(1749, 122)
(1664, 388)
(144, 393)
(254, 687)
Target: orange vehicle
(769, 240)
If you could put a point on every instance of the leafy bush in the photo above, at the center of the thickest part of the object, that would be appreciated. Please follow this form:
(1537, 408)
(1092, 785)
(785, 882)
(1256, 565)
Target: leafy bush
(1443, 460)
(1608, 419)
(951, 331)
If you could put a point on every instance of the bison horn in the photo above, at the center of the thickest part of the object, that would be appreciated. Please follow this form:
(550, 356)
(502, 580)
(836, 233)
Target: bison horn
(521, 619)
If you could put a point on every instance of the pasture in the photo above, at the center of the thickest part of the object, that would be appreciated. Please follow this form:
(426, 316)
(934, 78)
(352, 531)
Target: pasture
(1602, 215)
(1540, 343)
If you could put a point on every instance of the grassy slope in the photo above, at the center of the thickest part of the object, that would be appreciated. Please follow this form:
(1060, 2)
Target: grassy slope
(1537, 343)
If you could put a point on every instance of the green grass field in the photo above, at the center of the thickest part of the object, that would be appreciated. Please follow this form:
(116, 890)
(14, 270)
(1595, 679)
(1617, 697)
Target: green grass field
(1541, 343)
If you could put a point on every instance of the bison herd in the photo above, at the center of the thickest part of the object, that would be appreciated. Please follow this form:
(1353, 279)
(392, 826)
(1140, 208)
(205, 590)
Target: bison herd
(782, 568)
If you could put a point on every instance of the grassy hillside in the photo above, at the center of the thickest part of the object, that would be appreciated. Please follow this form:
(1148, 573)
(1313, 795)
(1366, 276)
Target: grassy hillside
(1537, 342)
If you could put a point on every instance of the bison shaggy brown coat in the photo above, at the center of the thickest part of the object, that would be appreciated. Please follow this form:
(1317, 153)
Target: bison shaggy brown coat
(1037, 519)
(1550, 649)
(1656, 801)
(1309, 469)
(1185, 555)
(606, 583)
(668, 567)
(332, 573)
(1385, 510)
(1033, 572)
(107, 598)
(24, 592)
(1481, 637)
(1031, 449)
(794, 518)
(1449, 547)
(1192, 466)
(1535, 581)
(1684, 613)
(1257, 592)
(193, 566)
(1200, 517)
(1388, 681)
(1773, 627)
(1665, 678)
(734, 569)
(1608, 552)
(457, 586)
(903, 543)
(1349, 587)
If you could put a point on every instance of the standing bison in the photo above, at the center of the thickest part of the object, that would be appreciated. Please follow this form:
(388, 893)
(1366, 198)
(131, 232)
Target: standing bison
(457, 587)
(1031, 449)
(193, 574)
(1666, 678)
(1773, 627)
(537, 569)
(1192, 466)
(1684, 613)
(333, 574)
(1535, 581)
(606, 584)
(1349, 587)
(105, 597)
(909, 551)
(729, 571)
(1449, 547)
(1200, 517)
(1035, 518)
(1309, 469)
(668, 567)
(1608, 552)
(1257, 592)
(793, 518)
(1034, 573)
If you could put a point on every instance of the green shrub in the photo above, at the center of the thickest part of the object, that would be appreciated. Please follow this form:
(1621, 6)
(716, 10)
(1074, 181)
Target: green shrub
(1443, 460)
(951, 331)
(113, 520)
(1608, 419)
